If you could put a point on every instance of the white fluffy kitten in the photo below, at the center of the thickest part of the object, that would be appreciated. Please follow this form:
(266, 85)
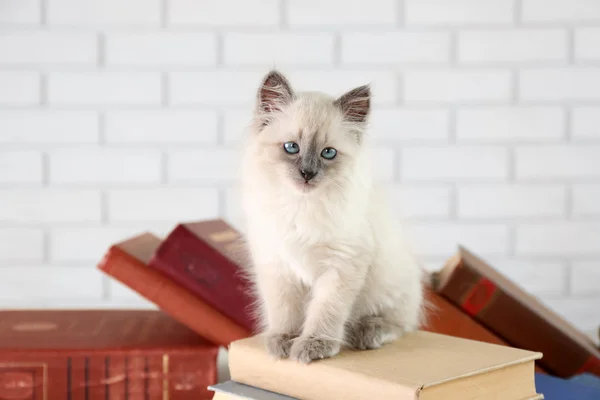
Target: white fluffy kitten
(328, 263)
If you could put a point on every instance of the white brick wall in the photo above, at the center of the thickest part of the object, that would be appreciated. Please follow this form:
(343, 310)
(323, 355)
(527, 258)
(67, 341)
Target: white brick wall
(118, 117)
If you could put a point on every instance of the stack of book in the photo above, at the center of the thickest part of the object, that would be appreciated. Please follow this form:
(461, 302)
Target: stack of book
(484, 338)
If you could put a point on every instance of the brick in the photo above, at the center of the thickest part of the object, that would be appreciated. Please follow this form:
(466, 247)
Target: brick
(214, 87)
(560, 11)
(48, 127)
(339, 12)
(168, 204)
(112, 88)
(103, 12)
(586, 44)
(240, 88)
(510, 124)
(80, 166)
(511, 201)
(50, 282)
(20, 11)
(162, 127)
(219, 13)
(585, 278)
(558, 162)
(47, 48)
(560, 84)
(545, 278)
(421, 201)
(20, 167)
(208, 165)
(21, 245)
(512, 46)
(581, 312)
(267, 49)
(89, 244)
(458, 12)
(161, 49)
(449, 86)
(586, 200)
(236, 124)
(585, 123)
(395, 47)
(19, 88)
(383, 163)
(443, 239)
(561, 238)
(335, 83)
(49, 205)
(405, 124)
(464, 162)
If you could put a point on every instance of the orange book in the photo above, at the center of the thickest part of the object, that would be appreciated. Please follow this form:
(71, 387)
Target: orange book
(127, 262)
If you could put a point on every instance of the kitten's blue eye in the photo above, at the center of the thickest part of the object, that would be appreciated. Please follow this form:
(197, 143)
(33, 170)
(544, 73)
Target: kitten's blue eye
(329, 153)
(291, 147)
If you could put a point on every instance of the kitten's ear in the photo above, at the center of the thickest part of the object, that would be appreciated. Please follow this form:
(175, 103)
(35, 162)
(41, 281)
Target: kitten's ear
(356, 103)
(275, 92)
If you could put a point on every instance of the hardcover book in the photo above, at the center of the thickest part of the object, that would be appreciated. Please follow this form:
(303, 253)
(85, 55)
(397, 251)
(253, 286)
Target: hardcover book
(231, 390)
(127, 262)
(204, 257)
(579, 387)
(420, 365)
(515, 316)
(102, 355)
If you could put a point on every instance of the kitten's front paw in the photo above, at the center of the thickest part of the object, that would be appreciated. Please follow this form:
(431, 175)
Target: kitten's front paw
(369, 333)
(279, 344)
(307, 349)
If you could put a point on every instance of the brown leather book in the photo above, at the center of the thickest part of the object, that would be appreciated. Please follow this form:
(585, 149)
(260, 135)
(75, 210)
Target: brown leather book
(445, 318)
(127, 262)
(204, 257)
(102, 355)
(517, 317)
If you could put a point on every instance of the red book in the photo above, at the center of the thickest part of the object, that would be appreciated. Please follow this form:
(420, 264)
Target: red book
(204, 258)
(515, 316)
(102, 355)
(127, 262)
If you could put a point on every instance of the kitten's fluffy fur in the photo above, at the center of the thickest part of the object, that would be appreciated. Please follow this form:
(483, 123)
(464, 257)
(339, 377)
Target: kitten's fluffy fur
(328, 263)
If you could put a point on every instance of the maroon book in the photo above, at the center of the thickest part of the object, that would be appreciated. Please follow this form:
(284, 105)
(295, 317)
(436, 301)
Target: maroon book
(205, 258)
(102, 355)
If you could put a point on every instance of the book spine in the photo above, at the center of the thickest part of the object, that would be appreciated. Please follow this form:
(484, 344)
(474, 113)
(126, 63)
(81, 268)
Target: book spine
(198, 267)
(154, 375)
(480, 298)
(176, 301)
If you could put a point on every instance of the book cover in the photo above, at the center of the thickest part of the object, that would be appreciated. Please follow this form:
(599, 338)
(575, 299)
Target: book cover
(419, 365)
(236, 390)
(579, 387)
(204, 258)
(515, 316)
(102, 355)
(127, 262)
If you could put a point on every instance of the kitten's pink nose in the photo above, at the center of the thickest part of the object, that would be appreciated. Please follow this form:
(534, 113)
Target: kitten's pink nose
(307, 175)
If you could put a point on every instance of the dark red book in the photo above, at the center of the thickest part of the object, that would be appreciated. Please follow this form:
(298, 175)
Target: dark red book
(127, 262)
(102, 355)
(204, 257)
(515, 316)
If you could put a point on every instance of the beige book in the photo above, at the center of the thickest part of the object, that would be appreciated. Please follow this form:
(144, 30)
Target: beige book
(421, 365)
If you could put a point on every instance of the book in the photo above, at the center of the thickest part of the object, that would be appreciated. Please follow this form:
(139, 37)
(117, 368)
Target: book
(127, 262)
(204, 258)
(419, 365)
(445, 318)
(231, 390)
(102, 355)
(517, 317)
(579, 387)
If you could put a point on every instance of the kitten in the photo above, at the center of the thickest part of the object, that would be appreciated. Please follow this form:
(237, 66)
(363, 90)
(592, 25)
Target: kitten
(328, 264)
